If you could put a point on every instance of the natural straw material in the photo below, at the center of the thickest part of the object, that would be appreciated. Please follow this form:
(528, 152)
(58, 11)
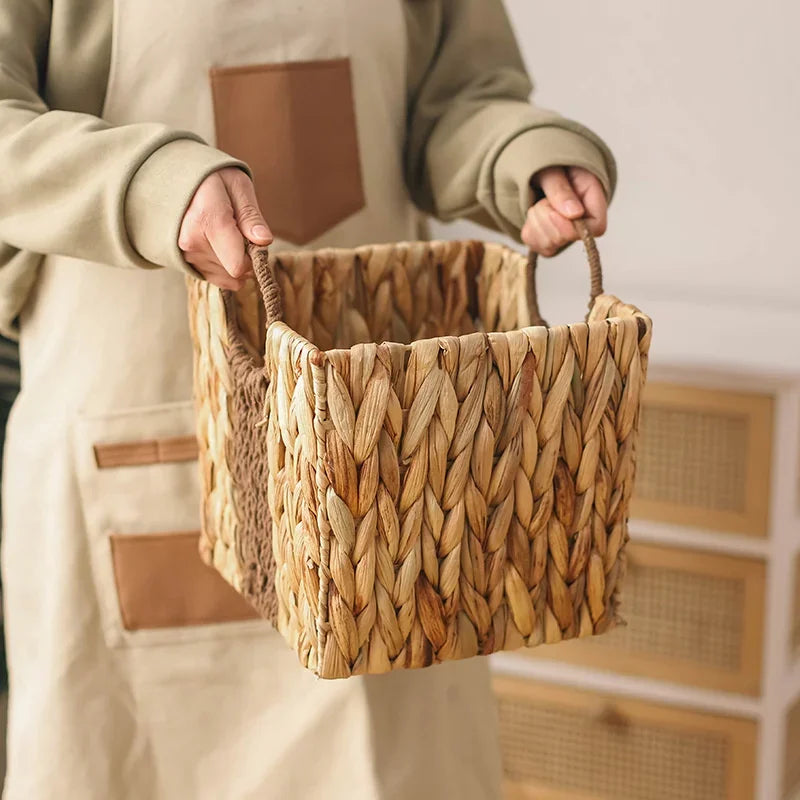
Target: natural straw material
(460, 488)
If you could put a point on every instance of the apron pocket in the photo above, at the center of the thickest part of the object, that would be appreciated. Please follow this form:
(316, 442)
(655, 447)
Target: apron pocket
(162, 583)
(294, 124)
(140, 491)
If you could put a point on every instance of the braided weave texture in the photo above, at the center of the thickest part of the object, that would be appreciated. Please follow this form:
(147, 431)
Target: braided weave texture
(460, 488)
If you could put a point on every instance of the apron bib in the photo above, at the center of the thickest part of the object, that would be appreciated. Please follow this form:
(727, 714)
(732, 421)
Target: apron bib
(123, 686)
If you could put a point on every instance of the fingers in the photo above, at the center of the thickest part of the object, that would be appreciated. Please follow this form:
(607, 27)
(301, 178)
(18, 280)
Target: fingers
(248, 216)
(569, 194)
(593, 196)
(559, 191)
(215, 273)
(210, 233)
(546, 231)
(228, 245)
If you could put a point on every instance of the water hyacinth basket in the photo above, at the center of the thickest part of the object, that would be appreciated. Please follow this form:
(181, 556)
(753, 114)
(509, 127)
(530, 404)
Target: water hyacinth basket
(403, 465)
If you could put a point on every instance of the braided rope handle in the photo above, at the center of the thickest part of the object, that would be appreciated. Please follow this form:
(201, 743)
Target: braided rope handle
(270, 291)
(270, 294)
(595, 273)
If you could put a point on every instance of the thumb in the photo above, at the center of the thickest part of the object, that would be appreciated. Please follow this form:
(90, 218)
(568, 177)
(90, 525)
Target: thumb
(249, 218)
(557, 188)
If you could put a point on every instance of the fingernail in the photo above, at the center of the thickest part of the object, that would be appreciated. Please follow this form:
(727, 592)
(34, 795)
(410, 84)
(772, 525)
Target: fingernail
(261, 232)
(573, 207)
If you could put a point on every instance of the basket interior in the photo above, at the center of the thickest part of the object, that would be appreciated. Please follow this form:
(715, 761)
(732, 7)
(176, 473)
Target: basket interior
(399, 293)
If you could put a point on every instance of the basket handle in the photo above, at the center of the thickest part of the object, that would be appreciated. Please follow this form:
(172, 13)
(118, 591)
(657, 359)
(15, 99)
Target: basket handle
(270, 291)
(273, 303)
(595, 272)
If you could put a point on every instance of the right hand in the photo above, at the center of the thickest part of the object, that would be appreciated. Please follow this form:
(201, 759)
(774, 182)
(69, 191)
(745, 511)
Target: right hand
(221, 218)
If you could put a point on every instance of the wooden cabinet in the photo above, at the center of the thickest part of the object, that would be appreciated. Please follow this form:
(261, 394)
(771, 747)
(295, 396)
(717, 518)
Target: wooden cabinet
(698, 696)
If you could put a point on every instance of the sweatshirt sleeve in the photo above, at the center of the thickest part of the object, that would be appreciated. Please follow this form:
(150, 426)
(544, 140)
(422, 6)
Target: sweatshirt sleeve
(474, 140)
(70, 183)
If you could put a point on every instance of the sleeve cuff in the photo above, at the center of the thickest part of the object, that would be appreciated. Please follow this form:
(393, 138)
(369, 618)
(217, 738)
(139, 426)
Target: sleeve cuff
(159, 194)
(537, 149)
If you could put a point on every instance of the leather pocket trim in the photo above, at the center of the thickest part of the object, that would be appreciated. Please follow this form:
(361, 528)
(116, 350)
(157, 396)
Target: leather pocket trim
(169, 450)
(162, 582)
(287, 66)
(294, 124)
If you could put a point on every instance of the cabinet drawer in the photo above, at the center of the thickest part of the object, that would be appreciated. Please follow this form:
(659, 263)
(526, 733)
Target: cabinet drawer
(692, 617)
(704, 459)
(561, 744)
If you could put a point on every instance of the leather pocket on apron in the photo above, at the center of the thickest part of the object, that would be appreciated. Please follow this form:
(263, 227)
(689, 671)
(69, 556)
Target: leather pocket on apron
(294, 124)
(140, 492)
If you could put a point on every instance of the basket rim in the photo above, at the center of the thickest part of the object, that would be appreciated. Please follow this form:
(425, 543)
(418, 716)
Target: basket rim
(281, 328)
(328, 252)
(276, 252)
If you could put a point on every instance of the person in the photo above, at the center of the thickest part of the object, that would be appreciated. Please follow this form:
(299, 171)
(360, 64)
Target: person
(141, 141)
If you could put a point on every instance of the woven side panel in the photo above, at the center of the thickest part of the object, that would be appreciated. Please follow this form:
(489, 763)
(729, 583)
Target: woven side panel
(248, 460)
(213, 392)
(477, 486)
(396, 293)
(293, 460)
(230, 391)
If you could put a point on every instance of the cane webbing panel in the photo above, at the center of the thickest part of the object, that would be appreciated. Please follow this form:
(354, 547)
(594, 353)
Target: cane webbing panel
(791, 766)
(703, 459)
(593, 747)
(692, 617)
(681, 615)
(693, 458)
(563, 748)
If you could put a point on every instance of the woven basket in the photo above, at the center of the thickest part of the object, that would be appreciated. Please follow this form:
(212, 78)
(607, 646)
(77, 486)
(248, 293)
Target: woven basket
(459, 489)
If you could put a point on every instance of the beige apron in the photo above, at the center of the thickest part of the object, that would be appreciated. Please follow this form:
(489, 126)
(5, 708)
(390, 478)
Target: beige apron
(112, 698)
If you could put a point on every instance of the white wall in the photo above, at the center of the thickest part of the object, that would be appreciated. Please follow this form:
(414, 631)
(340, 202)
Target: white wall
(700, 103)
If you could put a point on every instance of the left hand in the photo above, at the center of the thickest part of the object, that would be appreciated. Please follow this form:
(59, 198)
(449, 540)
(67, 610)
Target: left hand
(570, 193)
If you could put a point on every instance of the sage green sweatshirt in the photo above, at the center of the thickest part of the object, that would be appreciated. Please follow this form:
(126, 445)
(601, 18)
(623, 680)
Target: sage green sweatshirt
(71, 184)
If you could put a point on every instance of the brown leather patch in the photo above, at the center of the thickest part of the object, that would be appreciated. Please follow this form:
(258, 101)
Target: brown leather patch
(149, 451)
(294, 124)
(163, 583)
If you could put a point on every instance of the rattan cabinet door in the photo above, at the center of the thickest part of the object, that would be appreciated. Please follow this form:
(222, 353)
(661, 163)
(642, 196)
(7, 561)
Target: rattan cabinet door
(692, 617)
(561, 744)
(704, 459)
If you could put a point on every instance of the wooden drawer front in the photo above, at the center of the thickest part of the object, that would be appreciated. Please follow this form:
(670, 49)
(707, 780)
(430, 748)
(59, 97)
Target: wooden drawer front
(791, 764)
(561, 743)
(704, 459)
(693, 618)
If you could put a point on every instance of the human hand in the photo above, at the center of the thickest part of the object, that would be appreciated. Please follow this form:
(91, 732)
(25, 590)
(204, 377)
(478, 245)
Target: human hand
(222, 216)
(570, 193)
